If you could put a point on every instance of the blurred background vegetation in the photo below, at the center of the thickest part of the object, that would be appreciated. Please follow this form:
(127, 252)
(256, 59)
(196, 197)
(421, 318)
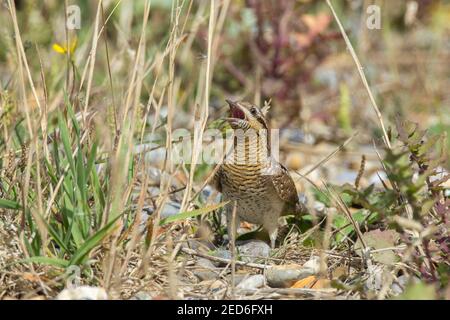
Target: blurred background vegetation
(287, 51)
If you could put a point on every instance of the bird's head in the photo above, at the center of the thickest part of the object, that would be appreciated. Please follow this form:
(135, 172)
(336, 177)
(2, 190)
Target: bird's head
(245, 115)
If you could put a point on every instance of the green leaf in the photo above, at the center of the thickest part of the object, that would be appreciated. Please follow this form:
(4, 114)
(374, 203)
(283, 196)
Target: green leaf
(92, 242)
(76, 229)
(81, 175)
(193, 213)
(71, 113)
(45, 260)
(346, 198)
(381, 240)
(339, 222)
(322, 196)
(54, 234)
(9, 204)
(65, 137)
(92, 154)
(99, 196)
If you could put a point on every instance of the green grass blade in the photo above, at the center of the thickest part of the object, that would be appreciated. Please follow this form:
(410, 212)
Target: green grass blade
(9, 204)
(92, 242)
(92, 154)
(81, 176)
(65, 137)
(193, 213)
(71, 114)
(54, 234)
(29, 247)
(99, 196)
(45, 260)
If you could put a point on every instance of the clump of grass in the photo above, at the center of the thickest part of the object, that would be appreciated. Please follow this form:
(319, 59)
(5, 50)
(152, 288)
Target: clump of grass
(68, 177)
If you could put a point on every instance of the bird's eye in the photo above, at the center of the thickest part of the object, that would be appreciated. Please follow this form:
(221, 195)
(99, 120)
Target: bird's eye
(253, 110)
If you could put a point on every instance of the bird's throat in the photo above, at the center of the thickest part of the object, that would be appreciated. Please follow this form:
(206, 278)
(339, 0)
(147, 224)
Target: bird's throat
(251, 148)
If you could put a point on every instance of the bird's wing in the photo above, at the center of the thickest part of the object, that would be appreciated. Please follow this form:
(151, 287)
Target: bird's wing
(283, 183)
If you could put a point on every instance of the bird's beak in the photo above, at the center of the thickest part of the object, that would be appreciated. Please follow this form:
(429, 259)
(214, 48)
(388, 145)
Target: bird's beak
(236, 111)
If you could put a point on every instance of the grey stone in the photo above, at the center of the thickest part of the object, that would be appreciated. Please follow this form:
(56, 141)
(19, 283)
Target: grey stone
(221, 253)
(297, 136)
(238, 278)
(170, 208)
(252, 282)
(253, 250)
(154, 174)
(206, 270)
(313, 264)
(284, 276)
(83, 293)
(142, 295)
(377, 275)
(154, 191)
(156, 156)
(207, 192)
(399, 285)
(343, 176)
(319, 206)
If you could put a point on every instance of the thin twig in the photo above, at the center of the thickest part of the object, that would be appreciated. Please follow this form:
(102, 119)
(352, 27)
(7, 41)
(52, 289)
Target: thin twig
(92, 61)
(223, 260)
(233, 247)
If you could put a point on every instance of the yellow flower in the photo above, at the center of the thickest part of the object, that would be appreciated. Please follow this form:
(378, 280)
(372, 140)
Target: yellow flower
(63, 49)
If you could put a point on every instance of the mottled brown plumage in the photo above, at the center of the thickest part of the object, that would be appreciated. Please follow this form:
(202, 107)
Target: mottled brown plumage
(262, 187)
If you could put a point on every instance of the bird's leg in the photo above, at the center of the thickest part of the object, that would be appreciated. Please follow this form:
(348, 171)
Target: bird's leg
(229, 215)
(273, 237)
(271, 223)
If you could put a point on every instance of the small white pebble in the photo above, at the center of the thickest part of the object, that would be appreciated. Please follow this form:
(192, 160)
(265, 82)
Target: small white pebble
(83, 293)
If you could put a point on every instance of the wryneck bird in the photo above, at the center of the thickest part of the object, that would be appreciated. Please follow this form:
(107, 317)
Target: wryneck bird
(260, 186)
